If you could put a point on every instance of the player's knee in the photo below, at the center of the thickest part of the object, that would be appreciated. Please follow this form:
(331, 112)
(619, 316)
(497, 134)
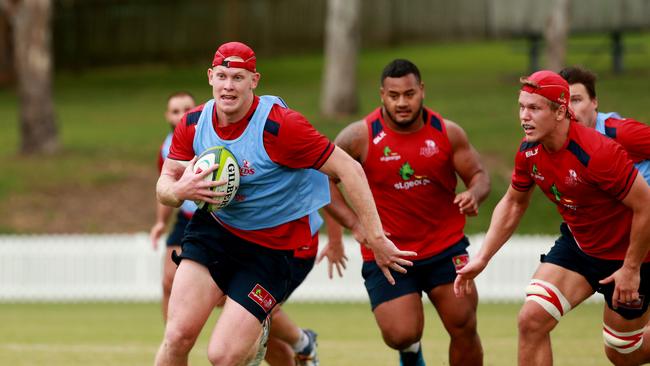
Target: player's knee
(462, 326)
(179, 340)
(551, 302)
(221, 357)
(534, 321)
(401, 339)
(619, 346)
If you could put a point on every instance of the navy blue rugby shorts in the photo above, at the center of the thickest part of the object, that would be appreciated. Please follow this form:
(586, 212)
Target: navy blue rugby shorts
(300, 268)
(566, 253)
(176, 235)
(423, 276)
(254, 276)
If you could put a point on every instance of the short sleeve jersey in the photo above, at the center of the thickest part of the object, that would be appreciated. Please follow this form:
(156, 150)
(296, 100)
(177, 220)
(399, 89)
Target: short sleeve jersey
(413, 181)
(586, 179)
(289, 139)
(633, 135)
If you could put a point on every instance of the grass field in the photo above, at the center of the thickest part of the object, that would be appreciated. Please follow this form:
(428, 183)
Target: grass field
(129, 334)
(111, 124)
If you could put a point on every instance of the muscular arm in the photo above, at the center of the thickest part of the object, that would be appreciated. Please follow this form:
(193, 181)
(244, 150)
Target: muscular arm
(505, 218)
(627, 278)
(344, 168)
(178, 183)
(468, 166)
(354, 140)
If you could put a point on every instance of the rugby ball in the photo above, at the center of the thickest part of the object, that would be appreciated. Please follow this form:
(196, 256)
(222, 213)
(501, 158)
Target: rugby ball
(228, 171)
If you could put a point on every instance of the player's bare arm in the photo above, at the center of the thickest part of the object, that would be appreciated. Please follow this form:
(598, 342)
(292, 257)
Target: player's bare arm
(341, 166)
(627, 278)
(353, 139)
(178, 183)
(505, 219)
(470, 169)
(163, 213)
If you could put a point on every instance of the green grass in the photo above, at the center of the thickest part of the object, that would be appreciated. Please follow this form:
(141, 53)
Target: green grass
(115, 115)
(129, 334)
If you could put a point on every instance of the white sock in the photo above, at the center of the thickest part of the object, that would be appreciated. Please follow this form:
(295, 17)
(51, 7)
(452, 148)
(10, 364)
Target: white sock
(302, 342)
(414, 348)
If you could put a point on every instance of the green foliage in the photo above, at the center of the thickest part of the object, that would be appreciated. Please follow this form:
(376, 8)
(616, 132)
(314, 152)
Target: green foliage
(129, 334)
(116, 115)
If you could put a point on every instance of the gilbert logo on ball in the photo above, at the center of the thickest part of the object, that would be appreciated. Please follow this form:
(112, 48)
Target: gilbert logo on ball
(228, 171)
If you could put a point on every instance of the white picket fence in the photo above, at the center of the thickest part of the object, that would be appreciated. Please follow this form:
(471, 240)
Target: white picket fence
(126, 268)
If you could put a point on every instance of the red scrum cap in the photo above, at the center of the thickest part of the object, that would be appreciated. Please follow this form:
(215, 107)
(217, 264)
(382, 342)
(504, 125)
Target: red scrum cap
(237, 49)
(549, 85)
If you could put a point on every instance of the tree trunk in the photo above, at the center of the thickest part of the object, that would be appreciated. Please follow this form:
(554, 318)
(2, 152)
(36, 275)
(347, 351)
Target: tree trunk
(6, 47)
(33, 61)
(556, 34)
(342, 33)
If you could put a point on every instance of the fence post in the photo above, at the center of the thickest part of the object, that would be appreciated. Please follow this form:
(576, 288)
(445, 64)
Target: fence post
(617, 52)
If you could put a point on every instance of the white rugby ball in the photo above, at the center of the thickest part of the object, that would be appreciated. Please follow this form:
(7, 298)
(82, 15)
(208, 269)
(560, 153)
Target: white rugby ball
(228, 171)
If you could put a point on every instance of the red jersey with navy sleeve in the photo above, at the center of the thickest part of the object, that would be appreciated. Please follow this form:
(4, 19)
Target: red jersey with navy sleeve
(413, 181)
(633, 135)
(587, 179)
(289, 139)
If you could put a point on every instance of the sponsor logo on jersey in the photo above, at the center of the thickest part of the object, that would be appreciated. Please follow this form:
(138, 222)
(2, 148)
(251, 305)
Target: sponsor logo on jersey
(460, 261)
(246, 168)
(262, 297)
(536, 174)
(389, 155)
(406, 172)
(429, 149)
(556, 192)
(379, 137)
(562, 200)
(530, 153)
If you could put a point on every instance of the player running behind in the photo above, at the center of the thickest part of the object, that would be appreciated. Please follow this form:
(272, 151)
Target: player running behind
(605, 235)
(178, 104)
(633, 135)
(411, 156)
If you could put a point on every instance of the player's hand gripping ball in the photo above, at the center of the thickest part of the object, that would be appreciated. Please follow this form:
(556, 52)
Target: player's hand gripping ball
(228, 171)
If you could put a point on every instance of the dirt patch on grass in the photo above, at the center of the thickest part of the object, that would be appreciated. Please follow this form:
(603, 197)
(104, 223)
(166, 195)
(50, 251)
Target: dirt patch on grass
(122, 205)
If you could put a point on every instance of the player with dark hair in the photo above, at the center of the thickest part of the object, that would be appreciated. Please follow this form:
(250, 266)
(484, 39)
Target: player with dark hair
(605, 236)
(178, 103)
(243, 251)
(633, 135)
(411, 156)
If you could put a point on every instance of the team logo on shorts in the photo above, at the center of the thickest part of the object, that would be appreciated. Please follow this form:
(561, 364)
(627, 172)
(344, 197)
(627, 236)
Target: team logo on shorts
(632, 305)
(460, 261)
(262, 297)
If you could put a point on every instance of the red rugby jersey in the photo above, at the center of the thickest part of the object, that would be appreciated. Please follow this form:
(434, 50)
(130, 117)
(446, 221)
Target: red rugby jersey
(413, 182)
(290, 141)
(633, 135)
(587, 179)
